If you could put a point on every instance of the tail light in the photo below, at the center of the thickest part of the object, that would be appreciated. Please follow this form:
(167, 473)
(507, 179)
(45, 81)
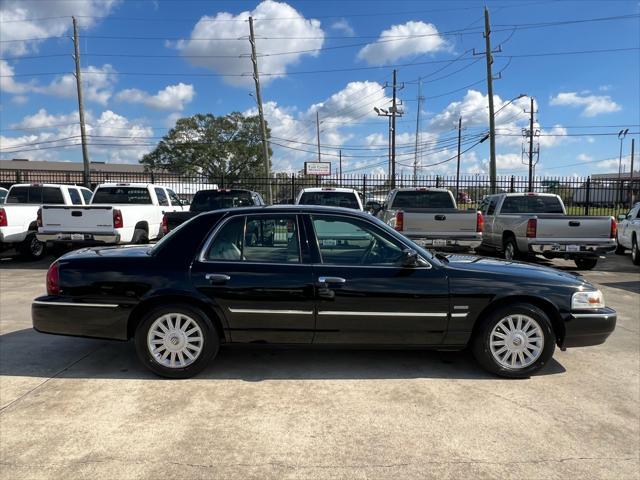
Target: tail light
(117, 219)
(479, 222)
(612, 232)
(164, 225)
(399, 221)
(53, 279)
(39, 219)
(532, 228)
(3, 218)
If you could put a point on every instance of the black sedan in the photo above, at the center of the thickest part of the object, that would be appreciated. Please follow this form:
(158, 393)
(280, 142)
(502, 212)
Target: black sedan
(322, 276)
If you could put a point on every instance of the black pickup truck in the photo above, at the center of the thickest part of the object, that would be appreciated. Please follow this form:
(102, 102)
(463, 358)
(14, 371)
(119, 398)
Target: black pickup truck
(209, 200)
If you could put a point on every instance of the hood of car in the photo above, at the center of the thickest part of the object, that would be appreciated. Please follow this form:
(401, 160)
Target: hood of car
(528, 272)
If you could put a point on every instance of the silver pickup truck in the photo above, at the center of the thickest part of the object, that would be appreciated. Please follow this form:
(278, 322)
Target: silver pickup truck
(430, 217)
(519, 224)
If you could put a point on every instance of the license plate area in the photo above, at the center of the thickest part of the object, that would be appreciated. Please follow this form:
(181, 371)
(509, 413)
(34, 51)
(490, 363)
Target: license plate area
(573, 248)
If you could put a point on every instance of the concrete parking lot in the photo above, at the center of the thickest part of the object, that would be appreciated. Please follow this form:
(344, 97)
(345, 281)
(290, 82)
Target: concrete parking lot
(79, 408)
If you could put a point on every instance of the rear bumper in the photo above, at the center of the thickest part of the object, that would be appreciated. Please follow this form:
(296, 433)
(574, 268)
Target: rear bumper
(63, 316)
(589, 328)
(445, 242)
(78, 238)
(553, 249)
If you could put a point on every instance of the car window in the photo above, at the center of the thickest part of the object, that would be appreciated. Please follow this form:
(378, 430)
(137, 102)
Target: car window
(162, 197)
(422, 199)
(86, 194)
(175, 200)
(207, 200)
(330, 198)
(532, 204)
(492, 206)
(346, 241)
(122, 195)
(260, 238)
(35, 195)
(52, 195)
(76, 199)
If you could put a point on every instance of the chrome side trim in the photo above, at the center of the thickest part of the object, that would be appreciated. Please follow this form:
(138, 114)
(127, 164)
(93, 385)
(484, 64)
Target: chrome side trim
(71, 304)
(593, 315)
(461, 307)
(259, 310)
(383, 314)
(459, 315)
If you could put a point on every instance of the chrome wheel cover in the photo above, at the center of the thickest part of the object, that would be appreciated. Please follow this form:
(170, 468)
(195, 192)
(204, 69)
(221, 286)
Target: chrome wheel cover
(516, 341)
(36, 247)
(509, 251)
(175, 340)
(634, 250)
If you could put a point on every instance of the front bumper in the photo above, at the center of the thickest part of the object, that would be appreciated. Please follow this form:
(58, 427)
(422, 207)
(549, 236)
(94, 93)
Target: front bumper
(551, 249)
(84, 239)
(449, 243)
(64, 316)
(588, 328)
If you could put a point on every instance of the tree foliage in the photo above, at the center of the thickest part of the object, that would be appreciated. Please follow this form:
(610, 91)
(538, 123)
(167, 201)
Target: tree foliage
(229, 146)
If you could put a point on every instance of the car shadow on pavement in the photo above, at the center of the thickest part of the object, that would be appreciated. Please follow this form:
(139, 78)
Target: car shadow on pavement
(32, 354)
(633, 287)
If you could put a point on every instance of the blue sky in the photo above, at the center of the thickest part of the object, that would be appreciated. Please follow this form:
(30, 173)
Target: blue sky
(147, 63)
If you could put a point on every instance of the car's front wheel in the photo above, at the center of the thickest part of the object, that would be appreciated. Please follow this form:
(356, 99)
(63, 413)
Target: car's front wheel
(586, 263)
(32, 248)
(514, 341)
(635, 251)
(176, 341)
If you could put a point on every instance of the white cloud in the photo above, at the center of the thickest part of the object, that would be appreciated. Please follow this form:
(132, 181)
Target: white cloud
(11, 11)
(592, 104)
(309, 37)
(123, 149)
(401, 41)
(7, 82)
(172, 97)
(583, 157)
(43, 119)
(343, 25)
(19, 99)
(97, 84)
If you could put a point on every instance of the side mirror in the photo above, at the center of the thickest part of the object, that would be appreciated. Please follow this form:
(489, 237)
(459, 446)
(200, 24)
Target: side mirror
(622, 217)
(373, 207)
(409, 258)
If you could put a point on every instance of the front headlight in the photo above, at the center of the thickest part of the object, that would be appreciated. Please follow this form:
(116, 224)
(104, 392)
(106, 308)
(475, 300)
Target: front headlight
(587, 300)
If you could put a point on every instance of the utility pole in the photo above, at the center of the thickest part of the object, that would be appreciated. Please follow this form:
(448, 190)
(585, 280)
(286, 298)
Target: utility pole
(393, 127)
(263, 127)
(415, 158)
(318, 131)
(458, 168)
(633, 148)
(340, 163)
(492, 122)
(83, 133)
(531, 147)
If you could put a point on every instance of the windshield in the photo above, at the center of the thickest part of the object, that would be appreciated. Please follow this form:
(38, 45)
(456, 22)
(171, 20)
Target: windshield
(423, 199)
(331, 199)
(121, 195)
(532, 204)
(207, 200)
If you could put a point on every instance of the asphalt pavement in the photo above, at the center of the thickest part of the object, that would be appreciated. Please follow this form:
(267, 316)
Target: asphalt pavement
(80, 408)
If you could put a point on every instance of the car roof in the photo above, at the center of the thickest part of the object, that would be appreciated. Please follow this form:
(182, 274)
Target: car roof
(289, 209)
(329, 189)
(129, 184)
(54, 185)
(422, 189)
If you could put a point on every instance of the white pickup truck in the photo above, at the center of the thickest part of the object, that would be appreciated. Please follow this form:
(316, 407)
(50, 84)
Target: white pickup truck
(19, 214)
(119, 213)
(430, 217)
(521, 224)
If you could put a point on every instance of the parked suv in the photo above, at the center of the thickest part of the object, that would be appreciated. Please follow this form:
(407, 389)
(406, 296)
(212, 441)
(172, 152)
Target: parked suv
(19, 214)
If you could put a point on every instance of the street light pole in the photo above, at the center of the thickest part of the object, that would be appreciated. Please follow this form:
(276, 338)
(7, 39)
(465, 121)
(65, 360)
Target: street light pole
(621, 135)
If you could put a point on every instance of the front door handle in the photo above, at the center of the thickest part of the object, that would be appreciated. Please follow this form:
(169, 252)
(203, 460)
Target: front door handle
(331, 280)
(440, 217)
(217, 278)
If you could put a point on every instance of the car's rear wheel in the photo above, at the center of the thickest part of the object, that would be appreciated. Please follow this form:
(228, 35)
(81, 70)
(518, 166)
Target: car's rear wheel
(176, 341)
(510, 249)
(32, 248)
(619, 248)
(514, 341)
(635, 251)
(586, 263)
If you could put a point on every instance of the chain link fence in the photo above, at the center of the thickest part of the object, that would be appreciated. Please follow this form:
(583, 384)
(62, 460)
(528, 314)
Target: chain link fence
(581, 195)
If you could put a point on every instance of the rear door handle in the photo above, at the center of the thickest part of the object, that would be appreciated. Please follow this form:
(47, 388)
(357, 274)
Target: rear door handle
(331, 280)
(574, 224)
(217, 278)
(440, 217)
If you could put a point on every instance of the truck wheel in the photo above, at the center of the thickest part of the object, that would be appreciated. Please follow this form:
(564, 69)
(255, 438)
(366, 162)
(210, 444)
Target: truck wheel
(635, 251)
(510, 249)
(514, 341)
(585, 263)
(619, 248)
(32, 248)
(176, 341)
(140, 237)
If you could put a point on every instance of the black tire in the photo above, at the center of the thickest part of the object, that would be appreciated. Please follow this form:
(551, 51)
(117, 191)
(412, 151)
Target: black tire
(209, 345)
(140, 237)
(635, 251)
(620, 250)
(481, 348)
(586, 263)
(510, 249)
(32, 248)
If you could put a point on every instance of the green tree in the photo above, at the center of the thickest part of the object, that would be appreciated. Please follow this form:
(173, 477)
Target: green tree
(229, 146)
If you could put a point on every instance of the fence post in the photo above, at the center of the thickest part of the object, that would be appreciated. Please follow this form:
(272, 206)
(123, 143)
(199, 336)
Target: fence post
(364, 186)
(221, 180)
(587, 199)
(437, 181)
(153, 177)
(512, 187)
(293, 188)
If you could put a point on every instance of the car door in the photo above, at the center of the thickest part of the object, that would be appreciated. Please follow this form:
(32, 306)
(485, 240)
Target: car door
(254, 269)
(627, 226)
(364, 294)
(489, 235)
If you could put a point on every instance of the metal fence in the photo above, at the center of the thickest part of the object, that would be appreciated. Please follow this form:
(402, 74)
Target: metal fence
(581, 195)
